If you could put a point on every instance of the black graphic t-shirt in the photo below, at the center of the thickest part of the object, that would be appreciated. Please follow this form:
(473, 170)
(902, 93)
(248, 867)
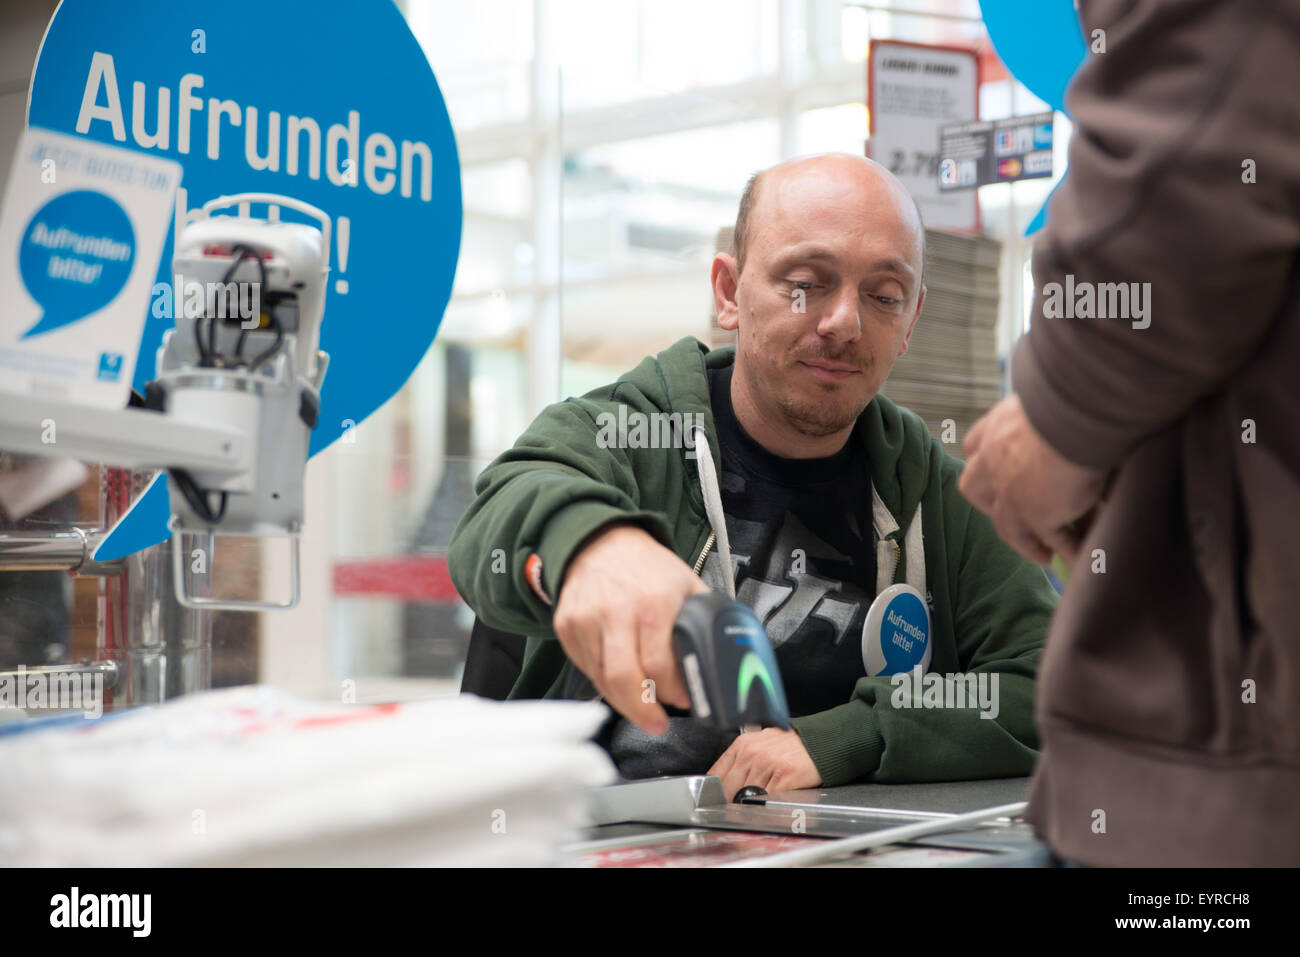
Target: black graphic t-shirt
(803, 553)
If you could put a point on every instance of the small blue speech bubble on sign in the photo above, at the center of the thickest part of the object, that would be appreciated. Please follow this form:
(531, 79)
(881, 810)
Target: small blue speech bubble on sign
(75, 257)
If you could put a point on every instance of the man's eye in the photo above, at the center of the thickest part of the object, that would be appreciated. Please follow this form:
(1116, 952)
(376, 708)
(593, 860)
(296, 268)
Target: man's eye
(802, 284)
(886, 300)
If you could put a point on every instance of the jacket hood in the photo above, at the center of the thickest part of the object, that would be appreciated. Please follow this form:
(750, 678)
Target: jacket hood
(899, 445)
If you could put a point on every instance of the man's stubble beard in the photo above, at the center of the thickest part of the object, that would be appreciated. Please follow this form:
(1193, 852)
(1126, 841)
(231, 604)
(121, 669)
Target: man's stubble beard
(808, 416)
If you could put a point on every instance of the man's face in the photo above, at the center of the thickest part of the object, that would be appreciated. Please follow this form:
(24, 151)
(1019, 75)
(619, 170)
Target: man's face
(829, 293)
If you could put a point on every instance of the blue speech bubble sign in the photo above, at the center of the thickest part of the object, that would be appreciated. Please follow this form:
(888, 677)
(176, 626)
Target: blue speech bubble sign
(76, 255)
(905, 634)
(896, 632)
(346, 116)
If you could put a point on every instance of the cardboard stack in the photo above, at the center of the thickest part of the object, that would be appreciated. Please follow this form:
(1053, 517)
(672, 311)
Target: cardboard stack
(950, 370)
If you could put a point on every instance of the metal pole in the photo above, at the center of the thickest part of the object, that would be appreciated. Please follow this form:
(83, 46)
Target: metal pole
(544, 350)
(105, 668)
(55, 551)
(161, 648)
(891, 835)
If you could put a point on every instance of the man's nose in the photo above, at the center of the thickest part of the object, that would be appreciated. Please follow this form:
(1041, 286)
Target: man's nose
(842, 322)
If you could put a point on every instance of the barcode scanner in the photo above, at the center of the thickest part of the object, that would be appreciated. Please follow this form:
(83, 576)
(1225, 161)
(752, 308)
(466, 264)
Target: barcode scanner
(728, 663)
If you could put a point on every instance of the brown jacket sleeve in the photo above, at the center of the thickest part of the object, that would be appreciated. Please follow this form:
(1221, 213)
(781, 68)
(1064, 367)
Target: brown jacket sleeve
(1185, 93)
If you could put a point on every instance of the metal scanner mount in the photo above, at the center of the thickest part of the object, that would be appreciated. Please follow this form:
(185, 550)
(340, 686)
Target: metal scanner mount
(230, 411)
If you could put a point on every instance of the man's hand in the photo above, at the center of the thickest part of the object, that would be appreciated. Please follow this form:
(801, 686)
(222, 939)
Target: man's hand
(620, 597)
(1033, 495)
(773, 759)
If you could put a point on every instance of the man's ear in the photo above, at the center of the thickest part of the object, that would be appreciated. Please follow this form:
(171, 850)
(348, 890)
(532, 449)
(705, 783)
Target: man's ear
(907, 336)
(726, 281)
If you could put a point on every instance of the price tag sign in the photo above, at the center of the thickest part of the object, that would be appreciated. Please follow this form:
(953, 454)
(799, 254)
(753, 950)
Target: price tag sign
(912, 91)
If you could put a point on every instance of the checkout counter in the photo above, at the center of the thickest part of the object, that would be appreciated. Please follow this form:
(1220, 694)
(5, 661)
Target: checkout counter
(687, 822)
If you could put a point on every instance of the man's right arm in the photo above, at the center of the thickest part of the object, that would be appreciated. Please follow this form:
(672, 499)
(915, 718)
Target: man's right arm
(559, 514)
(534, 505)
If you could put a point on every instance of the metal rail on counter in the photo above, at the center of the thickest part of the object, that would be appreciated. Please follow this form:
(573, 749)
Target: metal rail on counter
(71, 551)
(840, 847)
(107, 668)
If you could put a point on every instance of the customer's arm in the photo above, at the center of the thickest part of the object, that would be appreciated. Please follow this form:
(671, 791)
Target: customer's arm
(1168, 116)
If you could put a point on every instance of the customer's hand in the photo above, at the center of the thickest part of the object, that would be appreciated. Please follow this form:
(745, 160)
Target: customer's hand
(1034, 495)
(614, 618)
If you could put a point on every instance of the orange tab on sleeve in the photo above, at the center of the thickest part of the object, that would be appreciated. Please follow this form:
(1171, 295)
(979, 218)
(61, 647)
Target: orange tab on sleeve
(533, 575)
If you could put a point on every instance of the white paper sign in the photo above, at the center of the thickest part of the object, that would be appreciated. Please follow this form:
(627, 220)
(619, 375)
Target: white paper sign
(913, 90)
(81, 233)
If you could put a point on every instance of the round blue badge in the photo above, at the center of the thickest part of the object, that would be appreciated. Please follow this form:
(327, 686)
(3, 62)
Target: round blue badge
(896, 634)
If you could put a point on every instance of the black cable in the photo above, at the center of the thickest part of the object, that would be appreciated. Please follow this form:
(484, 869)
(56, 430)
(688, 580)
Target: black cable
(204, 358)
(190, 490)
(212, 339)
(212, 320)
(274, 347)
(241, 253)
(197, 498)
(261, 269)
(210, 356)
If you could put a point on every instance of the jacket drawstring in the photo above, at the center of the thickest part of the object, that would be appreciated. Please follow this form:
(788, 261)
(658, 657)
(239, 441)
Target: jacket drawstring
(713, 505)
(887, 548)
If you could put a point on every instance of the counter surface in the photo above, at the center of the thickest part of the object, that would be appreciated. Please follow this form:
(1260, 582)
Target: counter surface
(994, 844)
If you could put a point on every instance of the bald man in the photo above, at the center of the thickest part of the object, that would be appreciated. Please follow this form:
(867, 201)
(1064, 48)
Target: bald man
(778, 465)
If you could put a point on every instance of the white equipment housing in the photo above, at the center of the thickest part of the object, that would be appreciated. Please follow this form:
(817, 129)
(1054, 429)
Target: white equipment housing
(230, 412)
(247, 357)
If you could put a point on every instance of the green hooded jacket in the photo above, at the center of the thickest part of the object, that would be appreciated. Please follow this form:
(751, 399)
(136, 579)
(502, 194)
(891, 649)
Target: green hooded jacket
(989, 607)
